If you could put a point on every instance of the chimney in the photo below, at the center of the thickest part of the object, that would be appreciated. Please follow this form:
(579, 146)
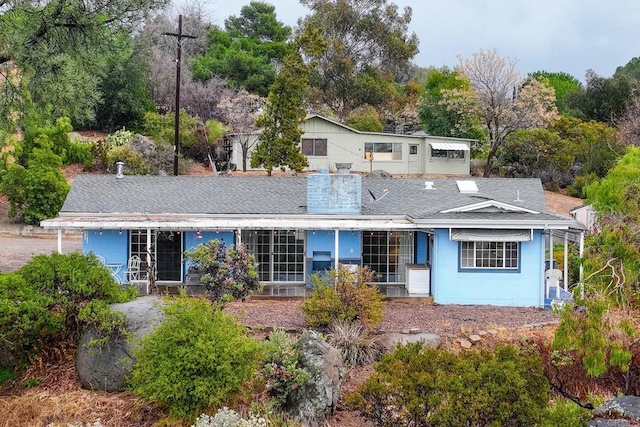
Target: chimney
(119, 166)
(334, 194)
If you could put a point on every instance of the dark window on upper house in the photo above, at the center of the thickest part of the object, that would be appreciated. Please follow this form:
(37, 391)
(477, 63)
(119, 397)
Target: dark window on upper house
(314, 146)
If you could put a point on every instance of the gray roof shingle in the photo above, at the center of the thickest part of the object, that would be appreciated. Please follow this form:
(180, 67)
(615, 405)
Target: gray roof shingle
(263, 195)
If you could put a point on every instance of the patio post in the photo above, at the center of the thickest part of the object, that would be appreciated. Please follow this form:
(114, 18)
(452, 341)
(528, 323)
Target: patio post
(581, 255)
(566, 261)
(59, 240)
(149, 270)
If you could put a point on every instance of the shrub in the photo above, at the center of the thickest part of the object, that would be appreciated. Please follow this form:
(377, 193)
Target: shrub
(351, 299)
(417, 386)
(134, 162)
(52, 298)
(38, 191)
(195, 359)
(227, 272)
(281, 370)
(355, 343)
(565, 413)
(576, 189)
(226, 417)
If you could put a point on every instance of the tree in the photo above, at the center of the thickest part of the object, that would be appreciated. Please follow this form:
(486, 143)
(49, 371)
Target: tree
(226, 272)
(365, 119)
(278, 144)
(596, 147)
(53, 52)
(244, 53)
(436, 118)
(603, 99)
(124, 94)
(239, 112)
(537, 153)
(38, 191)
(368, 44)
(629, 124)
(564, 85)
(500, 99)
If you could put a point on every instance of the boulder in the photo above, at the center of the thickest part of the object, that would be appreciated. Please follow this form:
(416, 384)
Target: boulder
(390, 340)
(617, 412)
(319, 395)
(142, 145)
(108, 367)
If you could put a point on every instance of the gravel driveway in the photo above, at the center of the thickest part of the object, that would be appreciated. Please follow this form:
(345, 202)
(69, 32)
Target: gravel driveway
(15, 251)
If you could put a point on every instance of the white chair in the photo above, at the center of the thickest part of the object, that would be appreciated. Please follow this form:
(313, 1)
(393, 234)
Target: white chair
(552, 279)
(101, 259)
(132, 273)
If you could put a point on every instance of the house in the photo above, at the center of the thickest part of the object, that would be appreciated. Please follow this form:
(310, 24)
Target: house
(326, 142)
(459, 241)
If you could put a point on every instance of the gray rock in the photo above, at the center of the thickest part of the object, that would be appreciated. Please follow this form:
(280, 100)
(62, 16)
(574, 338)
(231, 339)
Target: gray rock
(390, 340)
(108, 367)
(319, 395)
(142, 145)
(620, 407)
(599, 422)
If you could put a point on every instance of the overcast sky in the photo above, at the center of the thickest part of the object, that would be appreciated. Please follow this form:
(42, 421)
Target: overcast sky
(571, 36)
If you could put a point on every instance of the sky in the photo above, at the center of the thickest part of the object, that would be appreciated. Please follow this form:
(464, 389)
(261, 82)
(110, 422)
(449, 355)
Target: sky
(570, 36)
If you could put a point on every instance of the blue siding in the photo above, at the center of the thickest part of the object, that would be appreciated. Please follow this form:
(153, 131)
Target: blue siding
(421, 247)
(520, 288)
(324, 240)
(113, 245)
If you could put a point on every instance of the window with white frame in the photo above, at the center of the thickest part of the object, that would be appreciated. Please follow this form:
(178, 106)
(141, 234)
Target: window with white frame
(279, 253)
(490, 255)
(314, 146)
(138, 246)
(383, 151)
(387, 253)
(447, 154)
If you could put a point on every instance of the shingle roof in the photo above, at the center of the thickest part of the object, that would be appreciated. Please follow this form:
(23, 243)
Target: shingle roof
(263, 195)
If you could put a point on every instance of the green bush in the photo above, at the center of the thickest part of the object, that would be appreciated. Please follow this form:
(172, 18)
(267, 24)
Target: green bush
(281, 370)
(51, 299)
(134, 162)
(56, 138)
(195, 359)
(418, 386)
(351, 299)
(227, 272)
(565, 413)
(38, 191)
(576, 189)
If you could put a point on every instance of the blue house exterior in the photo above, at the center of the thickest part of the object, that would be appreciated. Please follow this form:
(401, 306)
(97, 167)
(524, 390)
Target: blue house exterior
(458, 241)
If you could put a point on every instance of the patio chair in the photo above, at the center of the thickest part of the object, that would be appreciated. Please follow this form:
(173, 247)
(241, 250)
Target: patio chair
(552, 279)
(132, 273)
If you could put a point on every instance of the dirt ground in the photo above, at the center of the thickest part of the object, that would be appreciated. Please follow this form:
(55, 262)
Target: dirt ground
(15, 251)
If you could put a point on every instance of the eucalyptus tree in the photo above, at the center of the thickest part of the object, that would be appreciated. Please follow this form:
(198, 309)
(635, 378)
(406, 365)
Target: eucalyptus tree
(368, 45)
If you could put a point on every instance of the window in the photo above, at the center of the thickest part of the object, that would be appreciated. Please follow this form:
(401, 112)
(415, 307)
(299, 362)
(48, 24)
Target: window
(314, 146)
(413, 149)
(387, 253)
(279, 253)
(447, 154)
(489, 255)
(138, 246)
(383, 150)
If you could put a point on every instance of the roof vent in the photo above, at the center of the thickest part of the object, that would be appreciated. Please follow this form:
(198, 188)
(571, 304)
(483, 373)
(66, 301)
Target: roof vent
(428, 185)
(518, 199)
(119, 166)
(467, 187)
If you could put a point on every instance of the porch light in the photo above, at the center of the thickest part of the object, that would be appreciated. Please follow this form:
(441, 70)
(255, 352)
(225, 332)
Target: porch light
(101, 231)
(120, 231)
(198, 235)
(217, 230)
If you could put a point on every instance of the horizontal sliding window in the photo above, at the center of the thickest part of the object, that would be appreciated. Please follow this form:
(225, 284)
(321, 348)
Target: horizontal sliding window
(383, 151)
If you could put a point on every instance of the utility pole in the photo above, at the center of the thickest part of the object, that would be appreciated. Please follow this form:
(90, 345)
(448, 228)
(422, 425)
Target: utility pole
(176, 127)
